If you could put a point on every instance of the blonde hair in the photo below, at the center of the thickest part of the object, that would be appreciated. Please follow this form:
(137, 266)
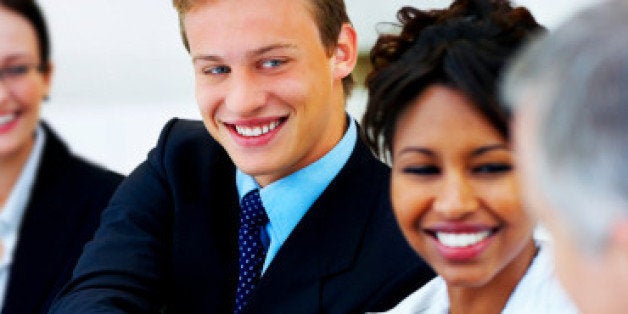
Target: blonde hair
(329, 16)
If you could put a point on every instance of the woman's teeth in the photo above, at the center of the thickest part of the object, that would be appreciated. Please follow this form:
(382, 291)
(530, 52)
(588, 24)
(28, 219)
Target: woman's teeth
(6, 118)
(461, 239)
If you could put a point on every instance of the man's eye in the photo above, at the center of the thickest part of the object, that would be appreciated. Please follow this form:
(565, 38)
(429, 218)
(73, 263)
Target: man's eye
(492, 168)
(217, 70)
(422, 170)
(272, 63)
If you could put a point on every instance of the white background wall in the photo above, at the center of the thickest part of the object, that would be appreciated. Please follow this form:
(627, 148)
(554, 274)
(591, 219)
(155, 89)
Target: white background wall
(121, 71)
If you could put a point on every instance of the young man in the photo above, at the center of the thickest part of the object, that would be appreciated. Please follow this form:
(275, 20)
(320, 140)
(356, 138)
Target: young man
(571, 94)
(281, 210)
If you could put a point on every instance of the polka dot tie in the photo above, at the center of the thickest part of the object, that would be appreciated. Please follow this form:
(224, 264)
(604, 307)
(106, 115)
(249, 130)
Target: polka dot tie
(252, 251)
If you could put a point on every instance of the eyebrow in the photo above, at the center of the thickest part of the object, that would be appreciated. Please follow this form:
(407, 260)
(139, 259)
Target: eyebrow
(420, 150)
(476, 152)
(488, 148)
(252, 53)
(14, 57)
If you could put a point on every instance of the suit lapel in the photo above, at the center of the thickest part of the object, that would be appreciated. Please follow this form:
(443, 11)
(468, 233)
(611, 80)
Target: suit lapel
(43, 233)
(316, 249)
(205, 245)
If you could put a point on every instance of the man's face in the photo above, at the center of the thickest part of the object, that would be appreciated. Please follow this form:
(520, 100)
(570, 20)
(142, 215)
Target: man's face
(594, 282)
(267, 89)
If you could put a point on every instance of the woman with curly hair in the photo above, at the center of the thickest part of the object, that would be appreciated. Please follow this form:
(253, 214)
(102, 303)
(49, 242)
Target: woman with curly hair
(434, 113)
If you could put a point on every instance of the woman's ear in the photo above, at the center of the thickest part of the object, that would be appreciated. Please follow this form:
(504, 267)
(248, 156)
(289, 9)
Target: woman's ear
(346, 52)
(47, 79)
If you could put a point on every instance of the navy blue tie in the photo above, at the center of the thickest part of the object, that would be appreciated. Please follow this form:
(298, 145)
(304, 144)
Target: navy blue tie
(252, 252)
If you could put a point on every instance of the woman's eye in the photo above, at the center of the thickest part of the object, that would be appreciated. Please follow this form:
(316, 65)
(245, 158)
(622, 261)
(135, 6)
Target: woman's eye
(217, 70)
(272, 63)
(16, 70)
(492, 168)
(422, 170)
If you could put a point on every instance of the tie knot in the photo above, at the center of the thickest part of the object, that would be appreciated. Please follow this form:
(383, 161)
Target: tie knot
(253, 213)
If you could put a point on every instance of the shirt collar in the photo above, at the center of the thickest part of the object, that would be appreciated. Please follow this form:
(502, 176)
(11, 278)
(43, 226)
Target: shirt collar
(11, 215)
(288, 199)
(330, 164)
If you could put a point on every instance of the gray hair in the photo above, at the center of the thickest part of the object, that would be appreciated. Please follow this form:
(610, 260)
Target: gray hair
(576, 82)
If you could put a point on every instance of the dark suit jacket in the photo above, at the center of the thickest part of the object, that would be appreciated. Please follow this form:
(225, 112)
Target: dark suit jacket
(168, 241)
(62, 214)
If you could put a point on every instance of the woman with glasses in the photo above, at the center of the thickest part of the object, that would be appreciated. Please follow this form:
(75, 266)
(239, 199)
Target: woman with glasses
(50, 200)
(433, 108)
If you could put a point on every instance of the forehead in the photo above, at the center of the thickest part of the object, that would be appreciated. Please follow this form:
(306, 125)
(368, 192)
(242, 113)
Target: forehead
(225, 24)
(17, 36)
(236, 6)
(440, 116)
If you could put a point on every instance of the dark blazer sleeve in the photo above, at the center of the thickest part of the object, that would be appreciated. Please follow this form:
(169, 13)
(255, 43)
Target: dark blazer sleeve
(61, 215)
(123, 269)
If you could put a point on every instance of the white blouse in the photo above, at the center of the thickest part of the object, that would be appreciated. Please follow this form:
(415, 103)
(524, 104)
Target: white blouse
(538, 292)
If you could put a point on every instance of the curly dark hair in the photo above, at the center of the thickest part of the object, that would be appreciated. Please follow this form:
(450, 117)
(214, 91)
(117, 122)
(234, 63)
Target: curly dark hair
(464, 47)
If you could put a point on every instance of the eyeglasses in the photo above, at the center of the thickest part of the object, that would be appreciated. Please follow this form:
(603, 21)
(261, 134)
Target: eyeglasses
(15, 74)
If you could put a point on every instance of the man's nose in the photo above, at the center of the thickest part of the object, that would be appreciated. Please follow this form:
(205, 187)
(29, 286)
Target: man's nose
(245, 94)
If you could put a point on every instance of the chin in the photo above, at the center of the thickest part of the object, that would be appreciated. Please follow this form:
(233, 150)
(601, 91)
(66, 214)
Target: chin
(464, 278)
(256, 169)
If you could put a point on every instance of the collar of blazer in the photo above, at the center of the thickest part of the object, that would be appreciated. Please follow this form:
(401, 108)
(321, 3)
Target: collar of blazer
(328, 239)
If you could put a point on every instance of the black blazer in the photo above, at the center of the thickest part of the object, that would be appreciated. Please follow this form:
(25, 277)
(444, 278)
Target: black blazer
(168, 241)
(61, 216)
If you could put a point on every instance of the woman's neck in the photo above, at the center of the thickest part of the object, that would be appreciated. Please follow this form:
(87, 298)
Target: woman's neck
(492, 296)
(11, 166)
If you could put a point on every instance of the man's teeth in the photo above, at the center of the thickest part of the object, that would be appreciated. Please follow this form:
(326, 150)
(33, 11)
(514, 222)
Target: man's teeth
(461, 239)
(256, 131)
(4, 119)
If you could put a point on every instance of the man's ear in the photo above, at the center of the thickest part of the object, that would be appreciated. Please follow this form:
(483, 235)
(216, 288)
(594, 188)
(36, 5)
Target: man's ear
(346, 52)
(619, 235)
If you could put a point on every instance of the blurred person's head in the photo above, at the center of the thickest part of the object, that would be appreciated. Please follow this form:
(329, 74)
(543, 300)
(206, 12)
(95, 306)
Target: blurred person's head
(570, 91)
(433, 111)
(25, 69)
(270, 90)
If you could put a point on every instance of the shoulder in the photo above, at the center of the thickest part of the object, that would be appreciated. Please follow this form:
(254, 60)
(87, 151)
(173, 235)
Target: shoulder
(186, 133)
(539, 289)
(429, 299)
(363, 157)
(363, 174)
(185, 161)
(185, 146)
(71, 172)
(187, 140)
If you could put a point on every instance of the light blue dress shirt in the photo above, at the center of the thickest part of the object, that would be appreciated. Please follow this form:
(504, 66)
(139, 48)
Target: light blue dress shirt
(287, 200)
(13, 211)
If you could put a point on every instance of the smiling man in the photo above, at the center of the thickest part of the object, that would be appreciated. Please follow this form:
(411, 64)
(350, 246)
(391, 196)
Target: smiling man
(271, 205)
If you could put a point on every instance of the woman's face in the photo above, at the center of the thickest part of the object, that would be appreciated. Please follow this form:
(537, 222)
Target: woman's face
(22, 86)
(455, 193)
